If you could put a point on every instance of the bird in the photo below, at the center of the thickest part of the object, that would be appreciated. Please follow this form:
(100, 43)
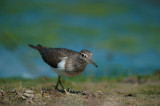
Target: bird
(65, 62)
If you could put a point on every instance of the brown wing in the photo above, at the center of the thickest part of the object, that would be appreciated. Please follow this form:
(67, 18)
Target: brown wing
(52, 56)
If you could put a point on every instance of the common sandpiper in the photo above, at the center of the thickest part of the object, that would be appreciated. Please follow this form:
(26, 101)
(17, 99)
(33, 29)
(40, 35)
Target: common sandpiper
(65, 62)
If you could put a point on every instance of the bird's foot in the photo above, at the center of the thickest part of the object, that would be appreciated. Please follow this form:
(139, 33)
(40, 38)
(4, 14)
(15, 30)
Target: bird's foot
(66, 92)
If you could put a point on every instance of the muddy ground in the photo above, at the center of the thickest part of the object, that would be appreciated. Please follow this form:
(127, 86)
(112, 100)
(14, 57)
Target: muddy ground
(128, 91)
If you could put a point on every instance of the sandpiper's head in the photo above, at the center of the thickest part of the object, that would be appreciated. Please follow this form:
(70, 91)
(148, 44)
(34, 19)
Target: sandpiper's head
(86, 55)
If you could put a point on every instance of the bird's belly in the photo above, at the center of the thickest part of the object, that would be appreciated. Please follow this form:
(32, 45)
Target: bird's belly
(67, 73)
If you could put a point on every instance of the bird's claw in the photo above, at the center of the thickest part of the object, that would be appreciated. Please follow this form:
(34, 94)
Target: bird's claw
(66, 92)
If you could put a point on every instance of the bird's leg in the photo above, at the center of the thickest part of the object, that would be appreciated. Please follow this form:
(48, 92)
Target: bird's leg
(56, 87)
(62, 86)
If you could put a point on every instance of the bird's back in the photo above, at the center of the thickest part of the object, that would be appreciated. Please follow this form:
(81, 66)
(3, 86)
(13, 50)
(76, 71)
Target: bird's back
(53, 56)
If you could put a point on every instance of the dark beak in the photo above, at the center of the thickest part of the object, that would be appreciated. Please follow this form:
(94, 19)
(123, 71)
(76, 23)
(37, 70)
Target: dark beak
(91, 61)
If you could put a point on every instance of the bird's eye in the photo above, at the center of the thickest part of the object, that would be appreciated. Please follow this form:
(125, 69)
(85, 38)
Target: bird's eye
(83, 55)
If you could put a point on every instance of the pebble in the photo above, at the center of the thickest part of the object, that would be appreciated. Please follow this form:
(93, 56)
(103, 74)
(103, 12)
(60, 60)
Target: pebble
(29, 91)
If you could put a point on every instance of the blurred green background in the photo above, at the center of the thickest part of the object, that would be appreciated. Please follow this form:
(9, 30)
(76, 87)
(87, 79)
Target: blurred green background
(124, 35)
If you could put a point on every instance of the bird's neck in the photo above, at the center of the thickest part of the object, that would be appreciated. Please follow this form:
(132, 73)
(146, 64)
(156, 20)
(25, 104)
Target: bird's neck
(76, 64)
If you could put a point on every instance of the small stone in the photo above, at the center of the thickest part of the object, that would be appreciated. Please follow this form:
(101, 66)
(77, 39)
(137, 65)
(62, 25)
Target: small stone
(15, 90)
(23, 97)
(29, 91)
(91, 95)
(28, 95)
(100, 93)
(1, 93)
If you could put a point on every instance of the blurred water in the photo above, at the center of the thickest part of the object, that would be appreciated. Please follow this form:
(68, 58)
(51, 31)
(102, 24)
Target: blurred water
(124, 36)
(19, 64)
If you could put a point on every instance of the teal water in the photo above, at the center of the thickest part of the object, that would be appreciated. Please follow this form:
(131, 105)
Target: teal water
(124, 36)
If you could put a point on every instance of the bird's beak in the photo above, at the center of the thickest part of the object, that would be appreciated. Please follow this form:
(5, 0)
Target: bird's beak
(91, 61)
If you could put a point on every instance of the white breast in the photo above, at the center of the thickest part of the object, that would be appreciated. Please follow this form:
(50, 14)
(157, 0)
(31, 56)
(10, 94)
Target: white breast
(60, 70)
(61, 65)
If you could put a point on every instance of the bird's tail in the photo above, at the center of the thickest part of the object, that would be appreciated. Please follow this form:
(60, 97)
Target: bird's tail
(38, 47)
